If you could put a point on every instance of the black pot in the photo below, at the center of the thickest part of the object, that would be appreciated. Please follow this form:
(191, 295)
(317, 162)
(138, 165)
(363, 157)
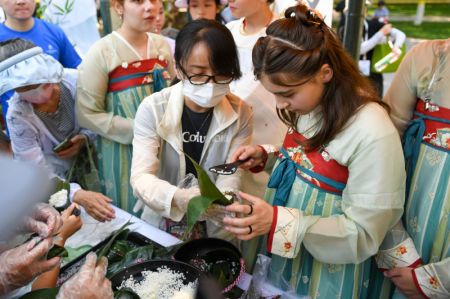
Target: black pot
(203, 252)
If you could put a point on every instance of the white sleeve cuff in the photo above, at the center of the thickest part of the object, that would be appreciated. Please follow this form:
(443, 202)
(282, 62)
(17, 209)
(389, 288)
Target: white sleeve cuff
(74, 187)
(429, 283)
(402, 255)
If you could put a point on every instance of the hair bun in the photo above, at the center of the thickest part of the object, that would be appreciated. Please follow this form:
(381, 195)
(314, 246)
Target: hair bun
(304, 14)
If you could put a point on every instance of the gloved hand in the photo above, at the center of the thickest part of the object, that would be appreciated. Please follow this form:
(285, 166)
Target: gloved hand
(215, 214)
(44, 220)
(22, 264)
(89, 283)
(182, 197)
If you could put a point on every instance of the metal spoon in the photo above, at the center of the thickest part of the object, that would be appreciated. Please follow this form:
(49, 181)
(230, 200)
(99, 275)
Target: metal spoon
(228, 168)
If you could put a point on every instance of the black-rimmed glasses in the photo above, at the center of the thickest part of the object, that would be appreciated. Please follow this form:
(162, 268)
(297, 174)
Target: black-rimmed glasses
(200, 79)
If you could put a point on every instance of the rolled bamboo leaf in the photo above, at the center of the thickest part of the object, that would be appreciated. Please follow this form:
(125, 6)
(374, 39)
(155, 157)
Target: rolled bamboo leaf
(207, 187)
(210, 194)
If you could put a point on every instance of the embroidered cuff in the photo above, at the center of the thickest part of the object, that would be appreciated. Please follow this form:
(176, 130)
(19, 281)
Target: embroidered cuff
(428, 283)
(403, 255)
(260, 167)
(284, 233)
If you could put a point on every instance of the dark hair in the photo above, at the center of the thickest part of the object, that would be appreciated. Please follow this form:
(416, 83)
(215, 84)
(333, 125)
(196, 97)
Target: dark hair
(294, 50)
(218, 18)
(223, 56)
(14, 46)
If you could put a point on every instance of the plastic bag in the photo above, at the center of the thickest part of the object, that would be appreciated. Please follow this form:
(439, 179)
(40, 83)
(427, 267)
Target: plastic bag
(260, 287)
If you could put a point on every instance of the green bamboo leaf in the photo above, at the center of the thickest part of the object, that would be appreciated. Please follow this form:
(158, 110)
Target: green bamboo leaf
(126, 293)
(70, 7)
(196, 207)
(49, 293)
(58, 7)
(207, 187)
(104, 250)
(57, 250)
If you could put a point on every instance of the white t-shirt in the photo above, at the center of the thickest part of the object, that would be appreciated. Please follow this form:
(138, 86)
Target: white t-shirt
(268, 128)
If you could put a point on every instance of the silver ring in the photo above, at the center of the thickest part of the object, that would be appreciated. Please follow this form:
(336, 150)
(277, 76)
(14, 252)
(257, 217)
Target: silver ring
(251, 229)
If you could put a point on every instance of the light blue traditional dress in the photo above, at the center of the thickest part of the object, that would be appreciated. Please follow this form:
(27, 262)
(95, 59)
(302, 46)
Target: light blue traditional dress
(307, 188)
(421, 89)
(427, 148)
(126, 89)
(113, 80)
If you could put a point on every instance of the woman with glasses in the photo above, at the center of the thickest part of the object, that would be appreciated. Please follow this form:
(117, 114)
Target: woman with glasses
(198, 117)
(118, 72)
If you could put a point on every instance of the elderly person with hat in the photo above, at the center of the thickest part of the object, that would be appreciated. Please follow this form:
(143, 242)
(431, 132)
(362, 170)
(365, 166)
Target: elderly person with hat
(42, 116)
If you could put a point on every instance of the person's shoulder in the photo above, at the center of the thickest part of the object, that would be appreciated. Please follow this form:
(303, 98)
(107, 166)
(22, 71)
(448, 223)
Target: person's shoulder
(240, 106)
(100, 48)
(234, 25)
(18, 108)
(159, 41)
(428, 49)
(373, 122)
(160, 98)
(44, 25)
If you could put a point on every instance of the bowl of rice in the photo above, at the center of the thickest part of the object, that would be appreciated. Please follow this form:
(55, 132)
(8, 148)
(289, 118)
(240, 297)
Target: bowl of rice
(159, 279)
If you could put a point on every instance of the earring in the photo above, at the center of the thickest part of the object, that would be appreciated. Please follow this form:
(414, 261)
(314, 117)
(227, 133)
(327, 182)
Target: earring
(120, 15)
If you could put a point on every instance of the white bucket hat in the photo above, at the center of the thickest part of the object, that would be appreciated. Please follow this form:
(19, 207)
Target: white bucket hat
(29, 67)
(184, 3)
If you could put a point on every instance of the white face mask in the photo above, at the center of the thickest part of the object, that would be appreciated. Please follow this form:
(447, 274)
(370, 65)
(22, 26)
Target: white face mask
(35, 96)
(207, 95)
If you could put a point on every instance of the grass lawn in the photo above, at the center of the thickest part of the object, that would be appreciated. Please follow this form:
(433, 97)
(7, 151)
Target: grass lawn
(435, 9)
(427, 30)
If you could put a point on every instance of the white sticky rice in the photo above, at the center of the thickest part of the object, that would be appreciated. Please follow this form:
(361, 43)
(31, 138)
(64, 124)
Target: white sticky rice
(163, 283)
(58, 199)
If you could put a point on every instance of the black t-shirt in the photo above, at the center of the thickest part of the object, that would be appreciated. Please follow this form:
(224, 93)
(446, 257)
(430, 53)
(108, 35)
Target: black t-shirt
(194, 127)
(374, 25)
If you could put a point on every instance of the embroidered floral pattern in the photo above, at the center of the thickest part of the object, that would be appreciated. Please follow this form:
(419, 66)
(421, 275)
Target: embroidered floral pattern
(433, 158)
(414, 224)
(441, 138)
(434, 283)
(401, 251)
(287, 246)
(333, 268)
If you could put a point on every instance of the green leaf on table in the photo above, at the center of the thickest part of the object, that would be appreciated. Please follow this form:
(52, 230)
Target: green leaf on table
(76, 252)
(57, 250)
(134, 256)
(49, 293)
(118, 250)
(105, 249)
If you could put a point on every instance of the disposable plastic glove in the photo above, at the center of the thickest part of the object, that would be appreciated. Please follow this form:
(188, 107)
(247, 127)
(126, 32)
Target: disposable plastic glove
(89, 283)
(215, 213)
(182, 197)
(44, 220)
(22, 264)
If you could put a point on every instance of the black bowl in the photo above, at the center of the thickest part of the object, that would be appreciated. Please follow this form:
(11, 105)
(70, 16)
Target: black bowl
(207, 248)
(190, 273)
(204, 253)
